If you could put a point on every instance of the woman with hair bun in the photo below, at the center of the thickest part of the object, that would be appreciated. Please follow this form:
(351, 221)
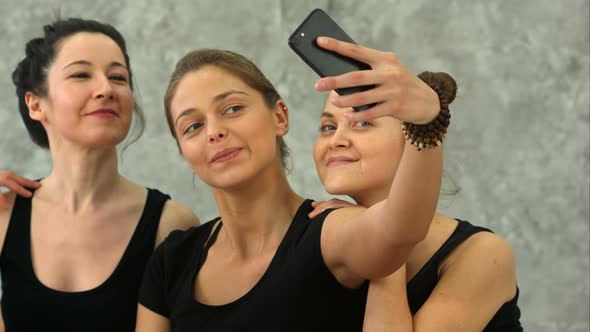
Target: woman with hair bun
(461, 277)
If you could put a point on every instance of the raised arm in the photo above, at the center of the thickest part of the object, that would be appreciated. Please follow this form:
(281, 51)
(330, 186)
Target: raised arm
(372, 243)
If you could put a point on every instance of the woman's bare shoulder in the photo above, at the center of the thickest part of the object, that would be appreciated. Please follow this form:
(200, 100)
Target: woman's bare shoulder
(175, 216)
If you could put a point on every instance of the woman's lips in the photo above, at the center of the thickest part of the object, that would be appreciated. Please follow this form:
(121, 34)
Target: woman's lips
(341, 160)
(104, 113)
(225, 155)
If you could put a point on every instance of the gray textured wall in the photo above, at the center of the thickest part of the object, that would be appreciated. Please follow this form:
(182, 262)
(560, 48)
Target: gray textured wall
(519, 144)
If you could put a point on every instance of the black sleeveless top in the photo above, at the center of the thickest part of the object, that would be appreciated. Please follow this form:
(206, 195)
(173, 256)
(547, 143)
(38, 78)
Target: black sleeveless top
(296, 293)
(422, 284)
(28, 305)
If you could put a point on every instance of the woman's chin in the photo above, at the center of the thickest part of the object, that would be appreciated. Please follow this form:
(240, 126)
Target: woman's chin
(103, 139)
(225, 182)
(338, 189)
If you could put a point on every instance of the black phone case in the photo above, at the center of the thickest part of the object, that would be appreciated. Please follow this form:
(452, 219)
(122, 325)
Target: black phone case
(324, 62)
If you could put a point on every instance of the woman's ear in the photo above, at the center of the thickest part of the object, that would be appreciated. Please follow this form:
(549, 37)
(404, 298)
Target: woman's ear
(36, 112)
(281, 118)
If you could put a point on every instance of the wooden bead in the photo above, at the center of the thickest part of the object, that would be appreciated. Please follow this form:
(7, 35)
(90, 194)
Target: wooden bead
(430, 135)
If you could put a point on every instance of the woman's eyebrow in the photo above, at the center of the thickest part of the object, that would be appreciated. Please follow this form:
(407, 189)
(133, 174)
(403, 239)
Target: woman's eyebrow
(184, 113)
(217, 98)
(226, 94)
(326, 115)
(88, 63)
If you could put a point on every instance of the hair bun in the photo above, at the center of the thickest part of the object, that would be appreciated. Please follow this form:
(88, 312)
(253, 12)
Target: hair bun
(443, 80)
(21, 73)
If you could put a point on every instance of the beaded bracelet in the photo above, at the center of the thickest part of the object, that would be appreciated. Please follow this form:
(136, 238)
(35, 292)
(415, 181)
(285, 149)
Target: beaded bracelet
(432, 134)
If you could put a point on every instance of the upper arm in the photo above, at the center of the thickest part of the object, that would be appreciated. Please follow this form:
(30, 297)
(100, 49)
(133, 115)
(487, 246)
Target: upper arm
(153, 292)
(149, 321)
(355, 248)
(475, 282)
(175, 216)
(387, 304)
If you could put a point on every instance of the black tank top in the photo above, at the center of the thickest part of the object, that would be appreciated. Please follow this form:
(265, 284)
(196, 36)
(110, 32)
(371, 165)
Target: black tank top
(296, 293)
(422, 284)
(28, 305)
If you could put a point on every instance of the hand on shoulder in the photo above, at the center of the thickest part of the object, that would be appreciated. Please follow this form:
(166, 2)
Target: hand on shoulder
(15, 184)
(333, 203)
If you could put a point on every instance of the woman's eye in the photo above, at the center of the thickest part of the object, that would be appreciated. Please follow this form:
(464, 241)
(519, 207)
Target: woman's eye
(326, 128)
(193, 127)
(80, 75)
(233, 109)
(118, 78)
(363, 124)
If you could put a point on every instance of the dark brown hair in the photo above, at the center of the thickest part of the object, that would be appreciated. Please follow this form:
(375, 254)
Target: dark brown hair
(443, 80)
(30, 75)
(235, 64)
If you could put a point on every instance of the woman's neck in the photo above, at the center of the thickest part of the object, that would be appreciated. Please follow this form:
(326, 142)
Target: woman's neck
(82, 178)
(258, 214)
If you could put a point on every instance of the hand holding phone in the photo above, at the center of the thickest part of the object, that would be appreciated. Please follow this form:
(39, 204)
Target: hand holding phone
(379, 83)
(324, 62)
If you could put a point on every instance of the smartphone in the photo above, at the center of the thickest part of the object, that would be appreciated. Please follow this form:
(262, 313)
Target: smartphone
(324, 62)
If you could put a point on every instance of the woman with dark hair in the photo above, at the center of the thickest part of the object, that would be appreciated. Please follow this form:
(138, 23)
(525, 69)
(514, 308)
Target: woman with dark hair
(460, 278)
(74, 248)
(264, 265)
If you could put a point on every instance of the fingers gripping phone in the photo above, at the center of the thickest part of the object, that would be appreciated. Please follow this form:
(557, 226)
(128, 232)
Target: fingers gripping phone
(324, 62)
